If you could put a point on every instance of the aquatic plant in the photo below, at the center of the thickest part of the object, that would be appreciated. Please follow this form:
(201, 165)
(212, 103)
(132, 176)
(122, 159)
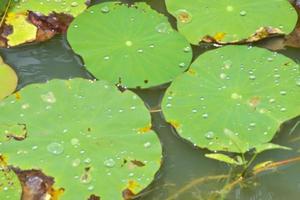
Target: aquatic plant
(95, 138)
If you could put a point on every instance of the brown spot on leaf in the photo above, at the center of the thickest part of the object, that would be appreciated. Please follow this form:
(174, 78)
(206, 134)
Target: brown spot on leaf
(254, 101)
(137, 163)
(128, 194)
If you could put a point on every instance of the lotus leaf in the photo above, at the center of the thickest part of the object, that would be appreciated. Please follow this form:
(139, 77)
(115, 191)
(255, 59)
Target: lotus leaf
(133, 46)
(234, 98)
(10, 187)
(23, 29)
(89, 136)
(232, 20)
(46, 7)
(8, 80)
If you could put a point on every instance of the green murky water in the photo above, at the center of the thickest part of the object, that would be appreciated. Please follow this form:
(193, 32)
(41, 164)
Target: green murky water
(183, 164)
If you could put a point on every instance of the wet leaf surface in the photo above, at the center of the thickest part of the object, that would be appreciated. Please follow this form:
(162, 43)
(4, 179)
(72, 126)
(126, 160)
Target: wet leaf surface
(245, 100)
(130, 46)
(234, 20)
(79, 132)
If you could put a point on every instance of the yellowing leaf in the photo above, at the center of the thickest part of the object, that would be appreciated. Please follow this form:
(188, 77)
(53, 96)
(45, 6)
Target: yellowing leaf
(23, 31)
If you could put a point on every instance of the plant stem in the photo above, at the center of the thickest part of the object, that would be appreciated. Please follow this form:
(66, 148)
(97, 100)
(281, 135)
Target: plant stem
(5, 13)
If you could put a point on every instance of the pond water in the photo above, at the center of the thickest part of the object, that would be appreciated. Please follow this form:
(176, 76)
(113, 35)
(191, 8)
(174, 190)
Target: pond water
(185, 169)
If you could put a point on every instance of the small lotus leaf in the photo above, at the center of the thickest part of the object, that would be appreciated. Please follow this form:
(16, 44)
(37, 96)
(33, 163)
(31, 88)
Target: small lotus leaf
(234, 98)
(8, 80)
(89, 136)
(232, 21)
(132, 46)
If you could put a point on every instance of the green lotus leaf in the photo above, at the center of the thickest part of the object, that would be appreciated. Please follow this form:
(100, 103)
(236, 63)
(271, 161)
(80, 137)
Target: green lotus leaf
(231, 21)
(132, 46)
(8, 80)
(89, 136)
(46, 7)
(10, 187)
(234, 98)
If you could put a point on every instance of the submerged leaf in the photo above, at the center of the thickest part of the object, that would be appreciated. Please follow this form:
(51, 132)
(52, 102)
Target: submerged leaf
(269, 146)
(223, 158)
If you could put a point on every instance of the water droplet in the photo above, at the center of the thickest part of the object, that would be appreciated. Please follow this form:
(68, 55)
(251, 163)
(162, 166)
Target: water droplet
(243, 13)
(227, 64)
(105, 9)
(223, 76)
(151, 45)
(187, 49)
(205, 115)
(147, 145)
(162, 28)
(194, 111)
(34, 147)
(272, 100)
(282, 109)
(270, 59)
(298, 82)
(210, 135)
(87, 160)
(283, 93)
(76, 162)
(91, 187)
(252, 77)
(55, 148)
(110, 163)
(74, 4)
(140, 51)
(128, 43)
(183, 16)
(75, 141)
(182, 65)
(168, 105)
(229, 8)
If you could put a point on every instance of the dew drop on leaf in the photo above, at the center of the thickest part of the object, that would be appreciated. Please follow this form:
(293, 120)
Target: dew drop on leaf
(110, 163)
(209, 135)
(105, 9)
(55, 148)
(243, 13)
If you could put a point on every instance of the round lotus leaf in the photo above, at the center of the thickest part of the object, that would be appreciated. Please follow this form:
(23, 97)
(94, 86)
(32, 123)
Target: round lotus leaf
(46, 7)
(234, 98)
(132, 46)
(89, 136)
(232, 20)
(8, 80)
(10, 187)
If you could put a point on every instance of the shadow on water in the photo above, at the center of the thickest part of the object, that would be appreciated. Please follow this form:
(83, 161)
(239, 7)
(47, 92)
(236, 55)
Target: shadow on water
(183, 163)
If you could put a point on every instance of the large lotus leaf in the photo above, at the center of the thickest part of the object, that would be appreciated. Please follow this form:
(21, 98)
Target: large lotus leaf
(234, 98)
(232, 20)
(46, 7)
(10, 187)
(132, 46)
(8, 80)
(89, 136)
